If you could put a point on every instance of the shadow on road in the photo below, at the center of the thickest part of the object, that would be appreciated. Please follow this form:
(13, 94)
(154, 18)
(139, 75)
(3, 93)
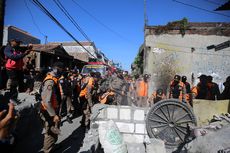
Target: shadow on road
(71, 144)
(29, 138)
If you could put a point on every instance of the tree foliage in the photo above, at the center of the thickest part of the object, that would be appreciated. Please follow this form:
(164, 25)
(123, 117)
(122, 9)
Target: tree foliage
(181, 25)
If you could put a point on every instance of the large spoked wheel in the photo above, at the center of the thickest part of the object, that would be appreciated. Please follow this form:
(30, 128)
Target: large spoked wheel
(168, 120)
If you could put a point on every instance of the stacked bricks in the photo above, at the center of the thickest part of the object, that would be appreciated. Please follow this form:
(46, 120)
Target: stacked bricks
(129, 120)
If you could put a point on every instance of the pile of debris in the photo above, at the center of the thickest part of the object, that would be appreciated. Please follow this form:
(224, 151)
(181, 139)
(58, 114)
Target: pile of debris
(212, 138)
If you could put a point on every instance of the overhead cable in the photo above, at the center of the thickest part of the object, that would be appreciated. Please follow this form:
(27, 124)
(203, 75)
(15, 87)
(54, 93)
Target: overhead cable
(63, 9)
(193, 6)
(33, 20)
(100, 22)
(44, 10)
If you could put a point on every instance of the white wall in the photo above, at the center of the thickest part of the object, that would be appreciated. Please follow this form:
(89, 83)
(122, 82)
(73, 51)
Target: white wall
(179, 48)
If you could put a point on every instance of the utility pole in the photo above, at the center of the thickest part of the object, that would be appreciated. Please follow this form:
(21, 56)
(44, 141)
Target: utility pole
(46, 39)
(2, 13)
(145, 14)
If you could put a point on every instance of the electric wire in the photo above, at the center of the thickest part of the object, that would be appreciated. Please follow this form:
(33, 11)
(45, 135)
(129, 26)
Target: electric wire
(190, 5)
(44, 10)
(100, 22)
(212, 2)
(33, 20)
(63, 9)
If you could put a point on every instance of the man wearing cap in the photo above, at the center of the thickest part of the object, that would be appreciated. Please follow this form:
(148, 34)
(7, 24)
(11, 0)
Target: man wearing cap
(201, 90)
(14, 66)
(177, 89)
(157, 96)
(226, 93)
(50, 110)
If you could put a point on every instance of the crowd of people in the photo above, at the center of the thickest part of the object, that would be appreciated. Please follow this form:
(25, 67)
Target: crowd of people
(62, 91)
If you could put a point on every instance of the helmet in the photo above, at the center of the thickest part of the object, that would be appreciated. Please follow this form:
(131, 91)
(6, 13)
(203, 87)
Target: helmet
(184, 78)
(177, 78)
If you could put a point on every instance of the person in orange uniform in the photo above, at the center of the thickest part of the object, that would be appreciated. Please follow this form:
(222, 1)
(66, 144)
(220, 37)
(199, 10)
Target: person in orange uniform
(51, 99)
(157, 96)
(201, 90)
(142, 91)
(177, 89)
(85, 97)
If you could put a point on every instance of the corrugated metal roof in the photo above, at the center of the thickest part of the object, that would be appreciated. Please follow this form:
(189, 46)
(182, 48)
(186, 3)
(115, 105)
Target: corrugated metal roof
(83, 43)
(52, 49)
(80, 56)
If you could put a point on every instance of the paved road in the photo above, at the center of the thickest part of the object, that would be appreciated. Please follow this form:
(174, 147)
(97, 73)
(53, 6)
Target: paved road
(31, 136)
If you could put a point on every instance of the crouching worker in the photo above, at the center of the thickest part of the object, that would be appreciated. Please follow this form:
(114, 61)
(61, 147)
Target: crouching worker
(157, 96)
(51, 99)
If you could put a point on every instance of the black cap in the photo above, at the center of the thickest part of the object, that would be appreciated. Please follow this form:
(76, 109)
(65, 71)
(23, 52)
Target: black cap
(177, 78)
(202, 76)
(159, 91)
(59, 65)
(146, 76)
(184, 78)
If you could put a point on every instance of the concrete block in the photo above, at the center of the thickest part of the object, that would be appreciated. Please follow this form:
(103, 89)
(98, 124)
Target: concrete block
(203, 116)
(125, 114)
(139, 115)
(100, 122)
(102, 114)
(140, 128)
(112, 113)
(125, 127)
(136, 148)
(155, 146)
(133, 138)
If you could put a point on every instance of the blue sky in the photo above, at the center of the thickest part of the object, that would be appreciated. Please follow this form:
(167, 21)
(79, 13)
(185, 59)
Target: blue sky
(124, 18)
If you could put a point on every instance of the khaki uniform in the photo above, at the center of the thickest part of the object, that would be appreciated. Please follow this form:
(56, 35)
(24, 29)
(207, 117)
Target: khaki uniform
(66, 94)
(50, 107)
(86, 99)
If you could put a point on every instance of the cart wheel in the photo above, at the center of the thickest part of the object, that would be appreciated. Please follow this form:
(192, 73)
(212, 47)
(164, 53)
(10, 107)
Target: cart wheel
(168, 120)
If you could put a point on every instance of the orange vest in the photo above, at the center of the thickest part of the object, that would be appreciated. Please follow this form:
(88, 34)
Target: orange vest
(103, 98)
(181, 85)
(89, 85)
(54, 101)
(142, 88)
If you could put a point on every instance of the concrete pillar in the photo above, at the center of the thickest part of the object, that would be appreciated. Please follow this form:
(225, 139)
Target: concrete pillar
(38, 61)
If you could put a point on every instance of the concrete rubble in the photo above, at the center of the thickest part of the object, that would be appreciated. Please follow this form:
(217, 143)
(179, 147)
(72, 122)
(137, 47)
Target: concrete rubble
(210, 138)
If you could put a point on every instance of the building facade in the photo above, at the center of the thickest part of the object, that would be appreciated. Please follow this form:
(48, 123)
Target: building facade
(11, 32)
(183, 50)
